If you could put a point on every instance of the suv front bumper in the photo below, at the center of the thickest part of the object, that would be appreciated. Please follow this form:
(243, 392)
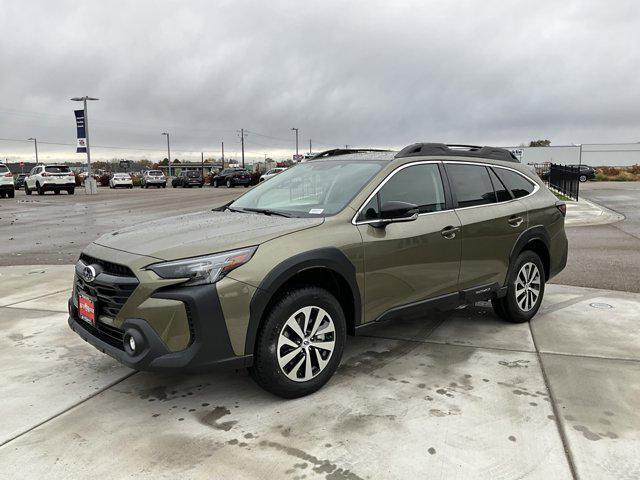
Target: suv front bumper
(209, 347)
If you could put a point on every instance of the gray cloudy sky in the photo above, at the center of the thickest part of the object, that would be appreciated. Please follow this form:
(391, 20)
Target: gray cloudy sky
(363, 73)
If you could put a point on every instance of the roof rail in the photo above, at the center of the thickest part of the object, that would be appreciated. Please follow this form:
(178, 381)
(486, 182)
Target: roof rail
(345, 151)
(454, 150)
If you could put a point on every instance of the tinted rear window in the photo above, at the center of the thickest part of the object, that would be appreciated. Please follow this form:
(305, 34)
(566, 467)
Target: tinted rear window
(4, 169)
(471, 184)
(519, 186)
(57, 169)
(155, 173)
(193, 174)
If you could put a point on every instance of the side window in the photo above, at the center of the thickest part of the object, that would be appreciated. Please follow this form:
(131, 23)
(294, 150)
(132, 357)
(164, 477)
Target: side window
(418, 184)
(471, 184)
(501, 191)
(519, 186)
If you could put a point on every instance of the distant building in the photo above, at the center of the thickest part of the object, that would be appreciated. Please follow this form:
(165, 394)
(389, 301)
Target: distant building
(594, 154)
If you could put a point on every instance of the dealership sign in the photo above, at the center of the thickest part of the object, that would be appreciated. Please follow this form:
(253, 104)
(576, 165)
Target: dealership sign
(518, 153)
(82, 137)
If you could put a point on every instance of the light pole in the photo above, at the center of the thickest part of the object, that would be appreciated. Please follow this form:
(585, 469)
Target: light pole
(86, 128)
(168, 152)
(296, 130)
(35, 143)
(91, 186)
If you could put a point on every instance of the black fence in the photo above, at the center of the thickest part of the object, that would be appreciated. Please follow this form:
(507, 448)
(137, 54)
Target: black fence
(563, 179)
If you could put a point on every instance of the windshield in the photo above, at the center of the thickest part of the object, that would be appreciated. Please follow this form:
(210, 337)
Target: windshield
(312, 188)
(57, 169)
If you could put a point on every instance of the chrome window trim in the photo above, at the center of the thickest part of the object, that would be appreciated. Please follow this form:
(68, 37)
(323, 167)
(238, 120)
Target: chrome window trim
(536, 187)
(382, 184)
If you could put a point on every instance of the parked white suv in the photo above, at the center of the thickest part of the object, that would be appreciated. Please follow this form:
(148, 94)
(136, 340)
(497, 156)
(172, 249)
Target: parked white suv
(153, 178)
(272, 173)
(120, 180)
(7, 188)
(45, 178)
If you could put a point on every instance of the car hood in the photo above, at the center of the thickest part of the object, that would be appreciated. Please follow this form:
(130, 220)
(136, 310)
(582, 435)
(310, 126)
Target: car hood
(202, 233)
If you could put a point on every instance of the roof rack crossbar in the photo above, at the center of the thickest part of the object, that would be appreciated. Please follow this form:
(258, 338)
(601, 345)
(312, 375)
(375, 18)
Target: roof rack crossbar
(456, 150)
(345, 151)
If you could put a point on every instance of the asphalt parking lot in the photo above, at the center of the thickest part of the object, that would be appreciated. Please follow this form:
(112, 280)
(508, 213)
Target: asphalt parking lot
(456, 394)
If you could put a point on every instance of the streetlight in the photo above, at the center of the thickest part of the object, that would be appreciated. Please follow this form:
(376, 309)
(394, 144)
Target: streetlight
(86, 129)
(296, 130)
(35, 143)
(168, 151)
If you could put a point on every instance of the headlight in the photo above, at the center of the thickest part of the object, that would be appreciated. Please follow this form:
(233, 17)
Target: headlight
(203, 270)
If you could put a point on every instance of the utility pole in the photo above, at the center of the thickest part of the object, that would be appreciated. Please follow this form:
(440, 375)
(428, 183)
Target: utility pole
(296, 130)
(35, 143)
(90, 183)
(168, 152)
(309, 146)
(242, 134)
(202, 162)
(223, 155)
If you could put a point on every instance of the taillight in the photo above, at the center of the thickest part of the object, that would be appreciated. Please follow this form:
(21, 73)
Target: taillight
(562, 207)
(8, 174)
(45, 174)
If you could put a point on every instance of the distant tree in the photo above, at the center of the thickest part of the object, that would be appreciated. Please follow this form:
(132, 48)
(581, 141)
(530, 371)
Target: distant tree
(540, 143)
(145, 164)
(175, 160)
(164, 162)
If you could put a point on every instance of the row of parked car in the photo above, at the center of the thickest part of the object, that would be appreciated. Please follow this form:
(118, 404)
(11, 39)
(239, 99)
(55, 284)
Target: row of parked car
(58, 178)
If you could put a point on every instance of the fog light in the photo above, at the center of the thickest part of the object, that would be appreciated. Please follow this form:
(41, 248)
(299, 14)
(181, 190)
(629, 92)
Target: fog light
(132, 343)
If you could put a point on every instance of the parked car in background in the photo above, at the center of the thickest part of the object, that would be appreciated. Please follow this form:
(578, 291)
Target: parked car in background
(153, 178)
(19, 180)
(7, 188)
(120, 180)
(586, 172)
(188, 179)
(232, 177)
(271, 173)
(278, 278)
(50, 178)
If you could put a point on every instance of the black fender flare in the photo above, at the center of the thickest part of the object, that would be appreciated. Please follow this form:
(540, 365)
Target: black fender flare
(537, 232)
(330, 258)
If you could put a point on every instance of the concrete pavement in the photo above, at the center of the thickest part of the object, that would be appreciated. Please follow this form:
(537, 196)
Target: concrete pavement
(457, 394)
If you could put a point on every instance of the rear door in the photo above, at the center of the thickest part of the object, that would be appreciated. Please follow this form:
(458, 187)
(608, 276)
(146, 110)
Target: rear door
(492, 220)
(409, 262)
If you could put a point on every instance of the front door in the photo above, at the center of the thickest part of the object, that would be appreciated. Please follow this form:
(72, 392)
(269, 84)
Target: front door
(407, 262)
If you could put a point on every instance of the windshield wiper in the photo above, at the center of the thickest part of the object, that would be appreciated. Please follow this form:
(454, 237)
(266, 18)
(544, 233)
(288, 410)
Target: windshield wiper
(266, 211)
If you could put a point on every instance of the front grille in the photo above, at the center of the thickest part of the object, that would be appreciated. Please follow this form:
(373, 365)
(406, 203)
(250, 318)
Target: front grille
(110, 296)
(107, 267)
(106, 333)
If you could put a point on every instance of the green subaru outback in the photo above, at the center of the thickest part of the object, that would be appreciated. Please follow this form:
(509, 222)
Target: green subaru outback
(277, 279)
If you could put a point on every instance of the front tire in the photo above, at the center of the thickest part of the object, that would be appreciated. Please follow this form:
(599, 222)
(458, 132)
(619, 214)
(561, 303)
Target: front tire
(525, 290)
(229, 184)
(582, 178)
(300, 343)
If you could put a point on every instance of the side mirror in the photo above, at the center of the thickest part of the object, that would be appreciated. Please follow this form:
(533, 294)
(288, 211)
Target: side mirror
(392, 212)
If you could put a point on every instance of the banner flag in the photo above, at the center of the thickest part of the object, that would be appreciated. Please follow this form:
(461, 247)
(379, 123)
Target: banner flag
(82, 138)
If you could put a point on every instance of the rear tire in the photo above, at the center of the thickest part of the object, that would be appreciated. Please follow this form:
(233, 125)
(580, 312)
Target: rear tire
(582, 178)
(27, 190)
(308, 362)
(12, 193)
(40, 189)
(71, 190)
(56, 192)
(215, 184)
(230, 184)
(525, 289)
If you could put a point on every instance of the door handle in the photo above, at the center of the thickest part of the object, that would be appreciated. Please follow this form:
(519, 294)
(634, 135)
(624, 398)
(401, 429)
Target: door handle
(515, 221)
(449, 232)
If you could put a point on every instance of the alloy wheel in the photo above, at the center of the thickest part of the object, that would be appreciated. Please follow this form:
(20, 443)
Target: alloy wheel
(306, 343)
(527, 286)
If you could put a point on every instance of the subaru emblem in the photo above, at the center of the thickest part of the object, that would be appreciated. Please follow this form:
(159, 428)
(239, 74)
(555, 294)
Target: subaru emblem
(89, 274)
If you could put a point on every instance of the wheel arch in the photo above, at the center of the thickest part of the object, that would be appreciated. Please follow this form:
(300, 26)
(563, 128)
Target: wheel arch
(327, 268)
(535, 239)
